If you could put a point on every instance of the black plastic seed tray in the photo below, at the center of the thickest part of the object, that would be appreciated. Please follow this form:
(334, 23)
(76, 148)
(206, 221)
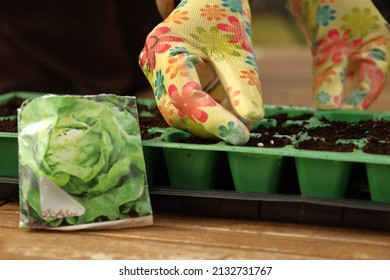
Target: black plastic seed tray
(266, 207)
(275, 207)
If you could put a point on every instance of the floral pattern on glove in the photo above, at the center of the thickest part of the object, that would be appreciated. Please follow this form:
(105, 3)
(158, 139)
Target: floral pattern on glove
(350, 46)
(202, 68)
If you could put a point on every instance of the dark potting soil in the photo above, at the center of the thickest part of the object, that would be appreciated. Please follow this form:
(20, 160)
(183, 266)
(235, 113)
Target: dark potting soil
(321, 138)
(148, 122)
(348, 130)
(268, 141)
(375, 132)
(9, 126)
(377, 147)
(10, 108)
(318, 145)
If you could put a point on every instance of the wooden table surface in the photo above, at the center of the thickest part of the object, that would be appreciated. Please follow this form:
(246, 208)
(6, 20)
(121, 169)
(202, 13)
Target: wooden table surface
(176, 236)
(286, 79)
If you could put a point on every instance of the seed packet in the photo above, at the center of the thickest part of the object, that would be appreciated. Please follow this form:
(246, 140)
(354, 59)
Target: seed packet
(81, 163)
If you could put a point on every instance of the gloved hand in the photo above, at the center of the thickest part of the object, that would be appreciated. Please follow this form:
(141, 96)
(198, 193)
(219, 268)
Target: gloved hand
(202, 68)
(350, 43)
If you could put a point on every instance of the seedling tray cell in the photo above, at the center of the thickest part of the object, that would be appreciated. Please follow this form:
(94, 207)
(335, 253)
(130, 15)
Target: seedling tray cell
(9, 141)
(250, 176)
(156, 169)
(191, 169)
(9, 154)
(379, 181)
(323, 178)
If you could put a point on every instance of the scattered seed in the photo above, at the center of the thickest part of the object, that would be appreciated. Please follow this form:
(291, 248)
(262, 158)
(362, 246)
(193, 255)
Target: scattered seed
(260, 144)
(59, 214)
(272, 142)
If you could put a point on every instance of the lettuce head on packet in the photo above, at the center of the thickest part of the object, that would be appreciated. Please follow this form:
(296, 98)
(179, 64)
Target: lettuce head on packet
(81, 163)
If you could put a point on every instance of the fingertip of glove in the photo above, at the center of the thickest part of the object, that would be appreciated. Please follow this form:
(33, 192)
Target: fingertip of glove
(238, 140)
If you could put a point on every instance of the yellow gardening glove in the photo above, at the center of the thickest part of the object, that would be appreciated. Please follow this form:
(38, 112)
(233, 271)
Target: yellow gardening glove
(202, 68)
(350, 43)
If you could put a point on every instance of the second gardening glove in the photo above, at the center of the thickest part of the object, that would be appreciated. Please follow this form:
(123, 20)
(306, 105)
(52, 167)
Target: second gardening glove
(202, 68)
(350, 42)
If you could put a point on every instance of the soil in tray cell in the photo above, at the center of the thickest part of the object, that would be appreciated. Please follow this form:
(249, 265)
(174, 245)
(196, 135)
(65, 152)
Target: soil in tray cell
(10, 108)
(9, 126)
(376, 132)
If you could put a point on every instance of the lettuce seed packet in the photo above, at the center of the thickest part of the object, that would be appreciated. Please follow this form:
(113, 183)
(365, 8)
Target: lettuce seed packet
(81, 163)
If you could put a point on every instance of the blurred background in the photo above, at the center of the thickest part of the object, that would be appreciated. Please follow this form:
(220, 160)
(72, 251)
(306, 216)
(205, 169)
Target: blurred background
(281, 28)
(284, 58)
(274, 25)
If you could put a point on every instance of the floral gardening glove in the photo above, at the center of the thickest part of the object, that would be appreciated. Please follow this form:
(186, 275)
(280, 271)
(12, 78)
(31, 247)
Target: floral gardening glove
(202, 68)
(350, 43)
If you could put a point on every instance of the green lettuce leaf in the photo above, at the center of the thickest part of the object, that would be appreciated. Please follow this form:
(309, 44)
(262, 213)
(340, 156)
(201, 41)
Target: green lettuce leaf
(90, 146)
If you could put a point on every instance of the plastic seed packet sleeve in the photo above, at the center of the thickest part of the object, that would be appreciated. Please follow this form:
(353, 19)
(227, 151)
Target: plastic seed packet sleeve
(81, 163)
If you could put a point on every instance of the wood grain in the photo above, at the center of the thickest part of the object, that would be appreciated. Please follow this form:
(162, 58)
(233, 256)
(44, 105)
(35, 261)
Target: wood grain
(191, 237)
